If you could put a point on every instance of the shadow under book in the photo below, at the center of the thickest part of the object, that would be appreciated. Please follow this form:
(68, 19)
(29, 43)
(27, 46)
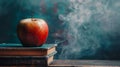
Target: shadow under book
(16, 54)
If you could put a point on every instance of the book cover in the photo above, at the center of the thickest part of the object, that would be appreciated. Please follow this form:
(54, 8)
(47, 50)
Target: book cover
(19, 50)
(44, 46)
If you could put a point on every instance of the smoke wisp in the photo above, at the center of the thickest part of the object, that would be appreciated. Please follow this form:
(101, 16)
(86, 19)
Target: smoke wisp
(90, 25)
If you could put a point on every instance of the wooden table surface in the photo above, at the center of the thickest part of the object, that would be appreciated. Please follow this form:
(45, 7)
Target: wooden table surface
(76, 63)
(85, 63)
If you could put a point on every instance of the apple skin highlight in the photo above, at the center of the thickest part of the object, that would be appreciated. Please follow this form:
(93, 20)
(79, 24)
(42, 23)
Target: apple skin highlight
(32, 32)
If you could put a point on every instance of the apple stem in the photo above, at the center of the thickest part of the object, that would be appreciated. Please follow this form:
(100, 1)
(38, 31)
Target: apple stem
(33, 19)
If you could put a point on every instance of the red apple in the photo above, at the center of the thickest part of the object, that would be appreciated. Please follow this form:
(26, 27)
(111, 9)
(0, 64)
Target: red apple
(32, 32)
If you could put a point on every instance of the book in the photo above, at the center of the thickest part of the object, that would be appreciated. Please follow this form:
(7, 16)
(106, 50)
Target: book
(19, 50)
(26, 60)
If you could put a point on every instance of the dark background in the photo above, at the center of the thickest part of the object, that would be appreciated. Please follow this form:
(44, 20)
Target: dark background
(97, 38)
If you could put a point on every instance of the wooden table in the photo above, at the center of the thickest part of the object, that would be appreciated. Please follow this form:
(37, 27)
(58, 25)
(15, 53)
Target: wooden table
(85, 63)
(76, 63)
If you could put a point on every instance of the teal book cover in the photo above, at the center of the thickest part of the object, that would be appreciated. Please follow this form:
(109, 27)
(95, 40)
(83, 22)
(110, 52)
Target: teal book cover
(20, 50)
(20, 46)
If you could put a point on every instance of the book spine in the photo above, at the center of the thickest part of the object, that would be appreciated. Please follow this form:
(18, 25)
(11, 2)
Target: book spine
(23, 61)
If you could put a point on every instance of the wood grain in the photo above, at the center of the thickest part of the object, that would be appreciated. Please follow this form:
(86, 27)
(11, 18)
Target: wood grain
(85, 63)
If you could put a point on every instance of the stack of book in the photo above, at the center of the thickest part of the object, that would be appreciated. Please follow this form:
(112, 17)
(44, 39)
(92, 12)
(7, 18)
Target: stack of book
(16, 54)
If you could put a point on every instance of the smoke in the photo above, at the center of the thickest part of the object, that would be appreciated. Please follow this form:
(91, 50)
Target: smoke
(90, 25)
